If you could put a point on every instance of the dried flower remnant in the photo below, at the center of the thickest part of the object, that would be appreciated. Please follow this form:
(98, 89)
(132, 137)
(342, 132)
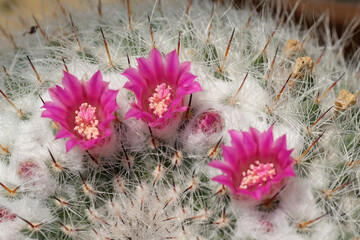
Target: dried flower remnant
(292, 48)
(303, 66)
(254, 164)
(160, 88)
(84, 111)
(345, 100)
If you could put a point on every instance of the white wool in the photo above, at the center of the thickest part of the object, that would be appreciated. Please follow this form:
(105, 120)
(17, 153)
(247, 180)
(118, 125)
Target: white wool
(299, 206)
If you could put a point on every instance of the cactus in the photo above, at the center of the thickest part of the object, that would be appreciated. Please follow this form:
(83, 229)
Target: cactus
(256, 71)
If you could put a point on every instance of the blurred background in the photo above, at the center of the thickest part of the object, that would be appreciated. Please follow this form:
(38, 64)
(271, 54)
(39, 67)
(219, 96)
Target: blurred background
(343, 14)
(17, 14)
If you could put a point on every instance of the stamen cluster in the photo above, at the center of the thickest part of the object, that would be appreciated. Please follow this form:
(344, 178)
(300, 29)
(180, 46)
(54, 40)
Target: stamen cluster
(86, 122)
(160, 100)
(257, 175)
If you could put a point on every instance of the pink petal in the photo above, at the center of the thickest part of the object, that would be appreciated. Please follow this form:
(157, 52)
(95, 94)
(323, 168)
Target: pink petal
(255, 133)
(280, 144)
(265, 144)
(186, 79)
(108, 101)
(138, 113)
(237, 142)
(157, 65)
(55, 112)
(57, 94)
(136, 80)
(95, 87)
(288, 172)
(223, 167)
(147, 72)
(250, 144)
(232, 156)
(184, 67)
(172, 67)
(63, 133)
(73, 85)
(224, 180)
(283, 157)
(255, 194)
(186, 90)
(70, 144)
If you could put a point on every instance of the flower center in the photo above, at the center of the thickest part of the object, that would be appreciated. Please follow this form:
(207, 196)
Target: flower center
(257, 175)
(86, 123)
(160, 100)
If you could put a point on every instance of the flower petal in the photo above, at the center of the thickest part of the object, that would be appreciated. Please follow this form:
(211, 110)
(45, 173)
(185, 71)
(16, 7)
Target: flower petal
(70, 144)
(172, 67)
(157, 65)
(223, 167)
(64, 133)
(224, 180)
(73, 85)
(265, 144)
(95, 87)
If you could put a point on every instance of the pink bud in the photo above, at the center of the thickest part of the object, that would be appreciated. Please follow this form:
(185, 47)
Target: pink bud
(209, 122)
(27, 169)
(6, 215)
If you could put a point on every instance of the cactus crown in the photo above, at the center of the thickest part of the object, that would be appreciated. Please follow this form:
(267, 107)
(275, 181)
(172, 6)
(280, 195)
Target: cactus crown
(151, 182)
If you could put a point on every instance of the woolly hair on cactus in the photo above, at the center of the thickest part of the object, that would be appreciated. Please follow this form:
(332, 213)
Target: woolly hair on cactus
(249, 129)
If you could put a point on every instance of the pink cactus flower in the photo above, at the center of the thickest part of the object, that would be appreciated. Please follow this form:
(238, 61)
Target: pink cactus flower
(254, 164)
(160, 87)
(84, 111)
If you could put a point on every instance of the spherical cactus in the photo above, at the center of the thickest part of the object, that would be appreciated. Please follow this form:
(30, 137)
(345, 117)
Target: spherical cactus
(177, 120)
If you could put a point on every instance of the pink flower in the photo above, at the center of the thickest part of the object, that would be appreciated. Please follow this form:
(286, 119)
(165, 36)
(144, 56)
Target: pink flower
(254, 164)
(84, 110)
(160, 87)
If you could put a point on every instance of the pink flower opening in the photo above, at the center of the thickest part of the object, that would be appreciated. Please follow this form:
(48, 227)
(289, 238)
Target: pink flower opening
(160, 87)
(254, 165)
(84, 110)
